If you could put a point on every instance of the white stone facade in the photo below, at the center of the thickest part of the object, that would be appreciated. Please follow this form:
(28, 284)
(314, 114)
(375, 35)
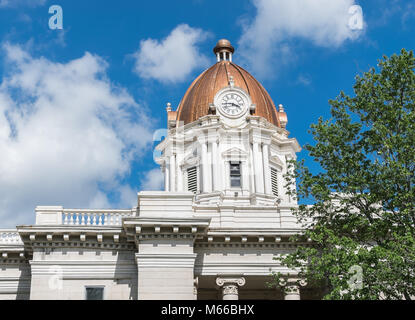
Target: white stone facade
(213, 233)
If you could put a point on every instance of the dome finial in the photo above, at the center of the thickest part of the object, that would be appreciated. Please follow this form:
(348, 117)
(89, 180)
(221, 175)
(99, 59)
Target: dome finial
(224, 50)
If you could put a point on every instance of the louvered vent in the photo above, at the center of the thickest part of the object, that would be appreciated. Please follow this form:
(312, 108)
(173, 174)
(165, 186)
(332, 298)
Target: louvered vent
(274, 181)
(192, 179)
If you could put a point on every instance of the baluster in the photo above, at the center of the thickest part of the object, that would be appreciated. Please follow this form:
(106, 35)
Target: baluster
(112, 219)
(70, 214)
(65, 218)
(94, 219)
(105, 219)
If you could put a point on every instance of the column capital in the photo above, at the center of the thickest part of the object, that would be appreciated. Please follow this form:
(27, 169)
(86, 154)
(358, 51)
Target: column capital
(291, 287)
(283, 282)
(230, 286)
(223, 280)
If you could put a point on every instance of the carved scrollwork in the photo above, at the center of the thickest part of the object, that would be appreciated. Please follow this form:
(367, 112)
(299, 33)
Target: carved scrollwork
(283, 282)
(230, 289)
(231, 281)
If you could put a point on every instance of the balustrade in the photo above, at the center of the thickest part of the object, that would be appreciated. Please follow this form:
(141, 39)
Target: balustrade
(9, 237)
(94, 217)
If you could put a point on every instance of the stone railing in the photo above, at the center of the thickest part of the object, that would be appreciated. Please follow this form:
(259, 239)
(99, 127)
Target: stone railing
(10, 237)
(93, 217)
(57, 215)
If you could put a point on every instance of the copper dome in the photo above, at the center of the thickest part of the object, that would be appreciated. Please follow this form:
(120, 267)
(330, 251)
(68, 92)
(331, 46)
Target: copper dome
(196, 101)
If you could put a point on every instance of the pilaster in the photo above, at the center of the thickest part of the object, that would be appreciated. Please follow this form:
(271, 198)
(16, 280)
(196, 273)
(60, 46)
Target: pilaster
(166, 257)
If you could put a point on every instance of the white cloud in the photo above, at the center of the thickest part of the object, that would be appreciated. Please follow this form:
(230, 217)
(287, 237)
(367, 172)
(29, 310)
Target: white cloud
(278, 23)
(304, 80)
(172, 59)
(153, 180)
(67, 135)
(15, 3)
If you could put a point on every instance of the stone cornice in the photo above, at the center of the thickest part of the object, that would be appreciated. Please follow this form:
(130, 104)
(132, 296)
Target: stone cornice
(237, 207)
(104, 245)
(165, 260)
(87, 237)
(164, 195)
(167, 222)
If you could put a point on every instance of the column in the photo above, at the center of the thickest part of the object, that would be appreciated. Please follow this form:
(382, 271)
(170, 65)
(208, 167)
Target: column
(291, 288)
(166, 177)
(179, 168)
(179, 177)
(259, 180)
(292, 292)
(209, 176)
(251, 168)
(227, 175)
(173, 173)
(230, 287)
(215, 167)
(195, 287)
(267, 170)
(245, 175)
(205, 168)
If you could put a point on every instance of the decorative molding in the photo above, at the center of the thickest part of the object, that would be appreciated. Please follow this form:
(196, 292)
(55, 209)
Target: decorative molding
(231, 280)
(179, 260)
(86, 244)
(235, 154)
(276, 161)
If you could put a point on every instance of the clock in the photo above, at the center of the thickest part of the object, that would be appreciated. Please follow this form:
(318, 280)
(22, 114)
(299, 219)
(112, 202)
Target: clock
(232, 104)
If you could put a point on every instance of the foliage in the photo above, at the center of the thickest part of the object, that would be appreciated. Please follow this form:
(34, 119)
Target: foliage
(364, 209)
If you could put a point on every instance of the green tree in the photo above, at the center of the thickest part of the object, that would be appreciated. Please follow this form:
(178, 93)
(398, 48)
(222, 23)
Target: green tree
(364, 196)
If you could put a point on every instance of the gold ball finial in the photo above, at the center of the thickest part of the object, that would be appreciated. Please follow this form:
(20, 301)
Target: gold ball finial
(223, 45)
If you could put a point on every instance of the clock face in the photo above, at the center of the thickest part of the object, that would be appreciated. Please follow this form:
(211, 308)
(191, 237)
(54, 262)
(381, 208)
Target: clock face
(232, 104)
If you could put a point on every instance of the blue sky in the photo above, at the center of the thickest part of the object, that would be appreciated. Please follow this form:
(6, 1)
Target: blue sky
(79, 106)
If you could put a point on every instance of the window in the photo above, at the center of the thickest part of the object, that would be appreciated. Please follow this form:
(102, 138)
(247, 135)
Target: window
(192, 179)
(94, 293)
(274, 181)
(235, 174)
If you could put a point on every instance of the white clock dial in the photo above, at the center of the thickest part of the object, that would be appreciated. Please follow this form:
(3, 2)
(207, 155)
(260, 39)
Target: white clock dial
(232, 104)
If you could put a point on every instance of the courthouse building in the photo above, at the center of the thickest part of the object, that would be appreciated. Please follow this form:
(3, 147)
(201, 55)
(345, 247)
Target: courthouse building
(214, 231)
